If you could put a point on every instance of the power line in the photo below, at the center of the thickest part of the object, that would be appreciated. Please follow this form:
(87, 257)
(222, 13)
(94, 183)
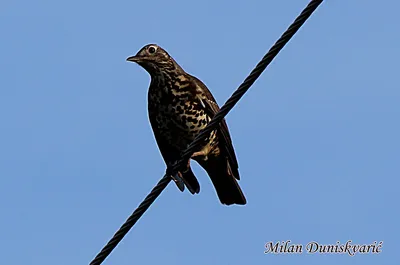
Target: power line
(231, 102)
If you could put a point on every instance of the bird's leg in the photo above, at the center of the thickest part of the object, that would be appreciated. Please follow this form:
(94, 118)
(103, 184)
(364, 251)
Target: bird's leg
(177, 178)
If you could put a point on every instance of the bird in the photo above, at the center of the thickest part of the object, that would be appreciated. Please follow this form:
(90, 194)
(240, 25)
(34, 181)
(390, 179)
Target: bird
(179, 107)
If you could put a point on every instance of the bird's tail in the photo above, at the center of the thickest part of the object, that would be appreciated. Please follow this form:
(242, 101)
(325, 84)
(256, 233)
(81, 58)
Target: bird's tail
(226, 186)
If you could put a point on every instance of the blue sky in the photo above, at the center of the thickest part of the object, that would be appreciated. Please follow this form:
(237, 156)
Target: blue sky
(317, 136)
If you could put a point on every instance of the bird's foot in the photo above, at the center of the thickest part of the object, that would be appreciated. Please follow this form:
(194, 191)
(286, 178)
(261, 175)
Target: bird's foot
(178, 179)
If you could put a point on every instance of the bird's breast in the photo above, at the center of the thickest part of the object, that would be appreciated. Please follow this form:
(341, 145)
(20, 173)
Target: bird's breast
(179, 117)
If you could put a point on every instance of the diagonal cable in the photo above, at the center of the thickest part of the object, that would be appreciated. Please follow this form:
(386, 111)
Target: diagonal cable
(231, 102)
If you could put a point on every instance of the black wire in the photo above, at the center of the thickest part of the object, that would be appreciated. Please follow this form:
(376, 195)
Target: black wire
(162, 184)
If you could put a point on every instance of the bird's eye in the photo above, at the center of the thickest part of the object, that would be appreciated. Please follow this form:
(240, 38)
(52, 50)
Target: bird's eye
(152, 49)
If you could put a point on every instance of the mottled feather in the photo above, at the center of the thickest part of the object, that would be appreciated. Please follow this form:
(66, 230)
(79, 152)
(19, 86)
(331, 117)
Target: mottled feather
(180, 106)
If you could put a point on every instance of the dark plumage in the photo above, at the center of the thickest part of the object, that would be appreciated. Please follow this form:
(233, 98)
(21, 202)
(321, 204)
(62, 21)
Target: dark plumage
(179, 106)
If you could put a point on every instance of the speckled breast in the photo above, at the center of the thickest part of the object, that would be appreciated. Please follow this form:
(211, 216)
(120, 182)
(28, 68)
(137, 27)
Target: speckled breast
(178, 117)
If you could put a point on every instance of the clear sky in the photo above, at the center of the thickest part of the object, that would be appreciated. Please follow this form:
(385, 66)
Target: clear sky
(317, 136)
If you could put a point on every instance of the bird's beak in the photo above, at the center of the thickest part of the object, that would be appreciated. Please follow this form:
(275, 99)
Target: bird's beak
(135, 59)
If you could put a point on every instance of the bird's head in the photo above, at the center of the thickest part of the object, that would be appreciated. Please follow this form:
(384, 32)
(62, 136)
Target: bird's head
(153, 59)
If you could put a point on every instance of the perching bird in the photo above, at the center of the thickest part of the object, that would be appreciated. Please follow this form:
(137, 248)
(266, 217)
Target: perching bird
(180, 106)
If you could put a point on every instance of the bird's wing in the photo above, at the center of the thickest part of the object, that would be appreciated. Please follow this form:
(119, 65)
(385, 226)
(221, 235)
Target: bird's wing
(211, 108)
